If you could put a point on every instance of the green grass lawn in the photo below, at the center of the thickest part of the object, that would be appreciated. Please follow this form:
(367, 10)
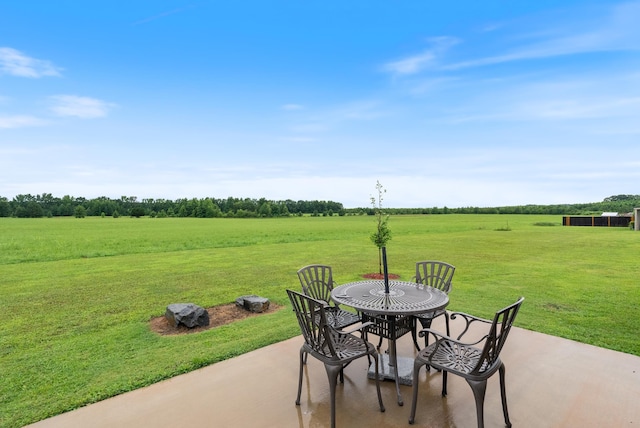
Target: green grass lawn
(77, 294)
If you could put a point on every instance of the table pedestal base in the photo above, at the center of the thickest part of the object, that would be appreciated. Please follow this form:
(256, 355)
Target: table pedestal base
(387, 372)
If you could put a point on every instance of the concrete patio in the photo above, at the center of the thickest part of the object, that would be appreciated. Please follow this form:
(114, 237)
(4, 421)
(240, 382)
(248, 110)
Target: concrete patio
(551, 382)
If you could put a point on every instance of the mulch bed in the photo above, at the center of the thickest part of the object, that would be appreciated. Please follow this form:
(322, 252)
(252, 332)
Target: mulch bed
(218, 315)
(225, 314)
(380, 276)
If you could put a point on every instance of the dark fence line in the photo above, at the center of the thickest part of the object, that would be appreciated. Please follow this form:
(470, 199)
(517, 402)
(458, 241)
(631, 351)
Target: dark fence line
(607, 221)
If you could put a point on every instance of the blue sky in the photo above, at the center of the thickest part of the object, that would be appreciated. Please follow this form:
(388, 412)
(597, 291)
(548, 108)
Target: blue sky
(452, 104)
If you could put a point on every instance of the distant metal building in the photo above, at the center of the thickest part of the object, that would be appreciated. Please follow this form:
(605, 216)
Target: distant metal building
(607, 219)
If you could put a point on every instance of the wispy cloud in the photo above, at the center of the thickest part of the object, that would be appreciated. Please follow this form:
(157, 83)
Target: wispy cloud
(299, 139)
(546, 107)
(357, 111)
(9, 122)
(291, 107)
(163, 15)
(616, 32)
(587, 109)
(362, 110)
(81, 107)
(416, 63)
(15, 63)
(594, 97)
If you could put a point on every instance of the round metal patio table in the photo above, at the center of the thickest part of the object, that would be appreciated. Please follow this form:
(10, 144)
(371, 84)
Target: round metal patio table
(403, 300)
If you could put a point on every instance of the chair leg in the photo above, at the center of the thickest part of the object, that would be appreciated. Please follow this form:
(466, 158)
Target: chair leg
(479, 388)
(426, 323)
(414, 336)
(375, 359)
(444, 383)
(414, 400)
(503, 392)
(446, 321)
(302, 357)
(332, 373)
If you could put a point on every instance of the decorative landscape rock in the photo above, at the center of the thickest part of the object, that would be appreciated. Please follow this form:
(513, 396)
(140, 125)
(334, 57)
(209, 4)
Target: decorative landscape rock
(187, 314)
(253, 303)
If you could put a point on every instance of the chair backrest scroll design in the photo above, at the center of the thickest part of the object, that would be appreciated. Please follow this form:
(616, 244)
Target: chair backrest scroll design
(435, 274)
(317, 281)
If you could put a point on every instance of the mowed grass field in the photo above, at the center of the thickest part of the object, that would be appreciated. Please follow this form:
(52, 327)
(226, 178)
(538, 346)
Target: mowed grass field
(76, 295)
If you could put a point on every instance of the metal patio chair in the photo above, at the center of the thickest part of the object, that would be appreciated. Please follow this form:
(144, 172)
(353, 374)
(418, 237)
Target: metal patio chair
(317, 282)
(468, 360)
(437, 275)
(336, 349)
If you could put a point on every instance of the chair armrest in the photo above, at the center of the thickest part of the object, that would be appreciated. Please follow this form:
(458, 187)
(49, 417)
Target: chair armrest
(436, 334)
(361, 327)
(468, 319)
(439, 337)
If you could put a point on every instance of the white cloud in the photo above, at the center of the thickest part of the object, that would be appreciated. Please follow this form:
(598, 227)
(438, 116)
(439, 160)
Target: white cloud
(82, 107)
(586, 109)
(164, 14)
(618, 31)
(311, 127)
(292, 107)
(15, 63)
(605, 101)
(410, 65)
(357, 111)
(416, 63)
(8, 122)
(300, 139)
(361, 110)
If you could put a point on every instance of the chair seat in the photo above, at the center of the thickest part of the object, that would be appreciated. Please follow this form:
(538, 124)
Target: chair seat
(452, 357)
(347, 347)
(339, 318)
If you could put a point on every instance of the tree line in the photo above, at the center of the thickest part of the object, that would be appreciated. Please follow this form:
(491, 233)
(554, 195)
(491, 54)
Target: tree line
(46, 205)
(621, 204)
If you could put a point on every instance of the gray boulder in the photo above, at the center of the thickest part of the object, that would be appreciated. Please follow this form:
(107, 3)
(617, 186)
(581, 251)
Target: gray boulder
(187, 314)
(253, 303)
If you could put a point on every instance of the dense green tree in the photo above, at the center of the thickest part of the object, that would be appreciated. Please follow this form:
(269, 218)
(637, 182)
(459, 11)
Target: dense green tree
(265, 209)
(80, 212)
(5, 207)
(136, 212)
(209, 209)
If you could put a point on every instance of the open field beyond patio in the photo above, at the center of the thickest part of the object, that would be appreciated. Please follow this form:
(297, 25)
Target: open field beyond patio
(77, 295)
